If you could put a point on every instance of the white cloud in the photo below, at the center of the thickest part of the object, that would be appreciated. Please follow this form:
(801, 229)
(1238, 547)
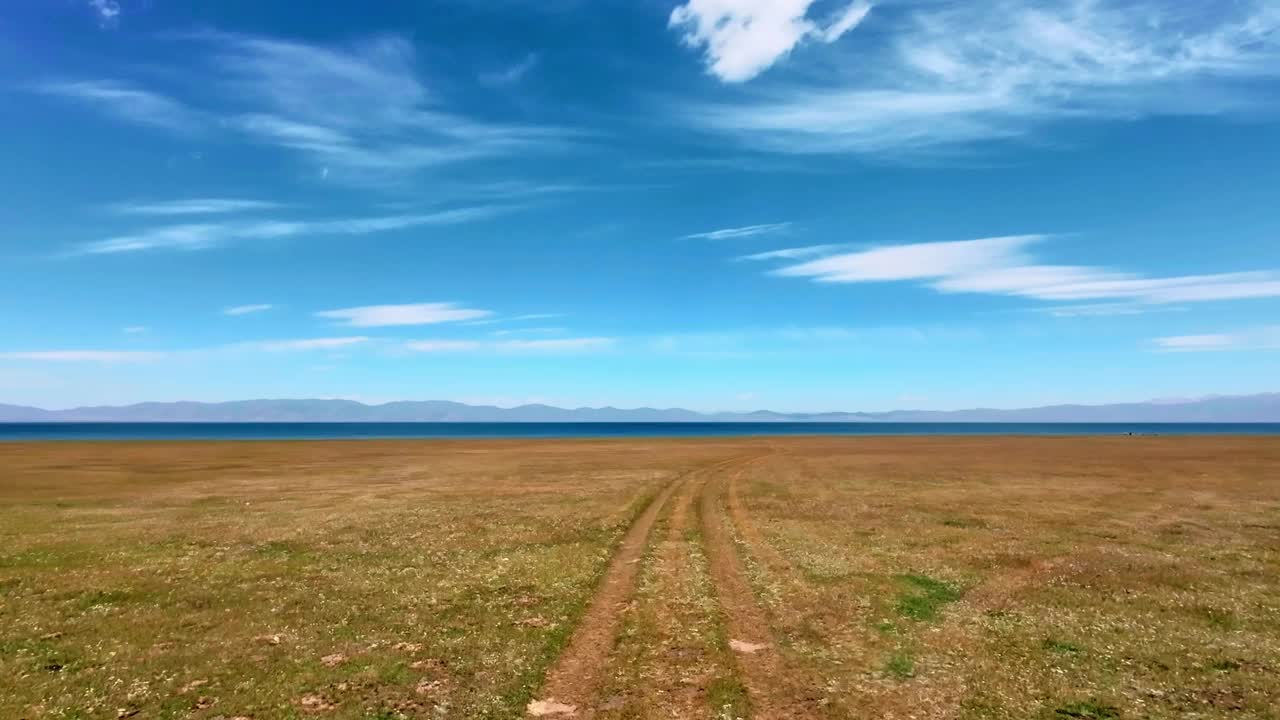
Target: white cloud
(133, 330)
(326, 343)
(193, 206)
(247, 309)
(740, 232)
(512, 74)
(742, 38)
(923, 260)
(1264, 338)
(435, 346)
(794, 253)
(135, 356)
(202, 236)
(557, 345)
(1097, 310)
(94, 356)
(413, 314)
(108, 11)
(529, 331)
(1004, 266)
(129, 103)
(953, 73)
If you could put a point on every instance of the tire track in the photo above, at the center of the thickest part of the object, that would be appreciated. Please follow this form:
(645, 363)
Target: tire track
(666, 658)
(775, 692)
(571, 686)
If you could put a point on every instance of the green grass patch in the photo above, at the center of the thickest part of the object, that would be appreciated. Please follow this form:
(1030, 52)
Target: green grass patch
(900, 666)
(926, 597)
(728, 698)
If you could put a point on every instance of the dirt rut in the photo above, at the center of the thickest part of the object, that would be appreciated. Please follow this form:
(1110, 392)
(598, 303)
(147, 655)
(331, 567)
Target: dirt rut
(572, 686)
(774, 691)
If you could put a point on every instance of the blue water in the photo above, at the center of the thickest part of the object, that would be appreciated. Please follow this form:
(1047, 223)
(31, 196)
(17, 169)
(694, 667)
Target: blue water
(355, 431)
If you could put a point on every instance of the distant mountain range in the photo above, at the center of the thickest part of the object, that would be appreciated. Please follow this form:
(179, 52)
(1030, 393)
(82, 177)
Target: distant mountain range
(1243, 408)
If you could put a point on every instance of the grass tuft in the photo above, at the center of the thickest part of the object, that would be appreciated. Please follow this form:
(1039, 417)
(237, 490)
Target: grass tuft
(900, 666)
(728, 698)
(1088, 710)
(1061, 646)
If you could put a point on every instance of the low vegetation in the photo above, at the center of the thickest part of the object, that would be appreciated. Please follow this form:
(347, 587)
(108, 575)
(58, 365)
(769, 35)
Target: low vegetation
(1096, 578)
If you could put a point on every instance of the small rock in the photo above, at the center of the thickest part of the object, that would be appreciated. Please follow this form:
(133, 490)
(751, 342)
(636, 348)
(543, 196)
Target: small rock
(746, 647)
(428, 687)
(315, 703)
(540, 708)
(333, 660)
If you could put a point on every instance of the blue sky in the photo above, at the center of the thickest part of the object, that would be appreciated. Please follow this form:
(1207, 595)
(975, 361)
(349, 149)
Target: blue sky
(715, 204)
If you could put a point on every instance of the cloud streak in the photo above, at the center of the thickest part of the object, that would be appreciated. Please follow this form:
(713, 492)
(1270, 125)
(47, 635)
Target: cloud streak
(1263, 338)
(1005, 266)
(741, 232)
(193, 206)
(239, 310)
(139, 356)
(128, 103)
(556, 345)
(412, 314)
(359, 112)
(204, 236)
(90, 356)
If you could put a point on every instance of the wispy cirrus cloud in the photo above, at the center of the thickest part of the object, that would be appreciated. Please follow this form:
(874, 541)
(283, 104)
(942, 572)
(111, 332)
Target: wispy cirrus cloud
(794, 253)
(138, 356)
(741, 232)
(742, 38)
(939, 75)
(238, 310)
(361, 111)
(90, 356)
(129, 103)
(553, 345)
(511, 74)
(192, 206)
(203, 236)
(529, 331)
(1006, 266)
(324, 343)
(362, 107)
(1263, 338)
(410, 314)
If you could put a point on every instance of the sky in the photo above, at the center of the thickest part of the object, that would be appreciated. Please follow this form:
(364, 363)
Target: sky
(800, 205)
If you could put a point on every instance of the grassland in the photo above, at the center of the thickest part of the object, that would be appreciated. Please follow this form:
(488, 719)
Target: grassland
(1042, 578)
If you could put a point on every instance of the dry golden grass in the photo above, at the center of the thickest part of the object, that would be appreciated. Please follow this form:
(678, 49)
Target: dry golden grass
(883, 577)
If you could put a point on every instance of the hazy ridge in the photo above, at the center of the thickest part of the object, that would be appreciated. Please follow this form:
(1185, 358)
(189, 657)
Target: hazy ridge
(1263, 407)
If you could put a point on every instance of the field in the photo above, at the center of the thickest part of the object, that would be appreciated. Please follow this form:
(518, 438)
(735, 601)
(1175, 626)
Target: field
(1028, 578)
